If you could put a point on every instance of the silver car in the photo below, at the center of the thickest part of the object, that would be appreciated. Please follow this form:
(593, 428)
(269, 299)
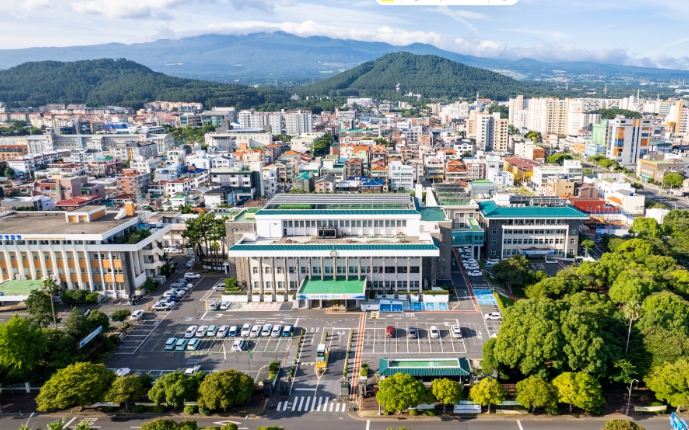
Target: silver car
(201, 332)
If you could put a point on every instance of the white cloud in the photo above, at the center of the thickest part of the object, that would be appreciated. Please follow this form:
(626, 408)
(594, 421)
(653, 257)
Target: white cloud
(137, 9)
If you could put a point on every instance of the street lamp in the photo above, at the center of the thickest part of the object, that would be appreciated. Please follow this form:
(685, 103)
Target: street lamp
(629, 399)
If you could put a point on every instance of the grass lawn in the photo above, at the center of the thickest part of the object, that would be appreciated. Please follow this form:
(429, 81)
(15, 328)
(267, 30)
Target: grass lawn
(503, 302)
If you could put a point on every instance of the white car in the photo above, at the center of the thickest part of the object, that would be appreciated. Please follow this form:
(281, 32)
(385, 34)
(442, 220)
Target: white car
(219, 287)
(123, 371)
(171, 250)
(246, 330)
(201, 332)
(255, 331)
(492, 261)
(192, 370)
(238, 345)
(137, 315)
(493, 316)
(224, 305)
(192, 275)
(189, 264)
(222, 331)
(163, 306)
(191, 331)
(475, 273)
(434, 331)
(456, 331)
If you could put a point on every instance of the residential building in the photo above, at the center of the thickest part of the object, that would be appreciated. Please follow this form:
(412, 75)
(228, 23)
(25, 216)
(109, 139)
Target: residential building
(559, 187)
(38, 203)
(401, 176)
(304, 182)
(628, 139)
(133, 182)
(528, 149)
(325, 184)
(8, 152)
(298, 122)
(59, 189)
(656, 165)
(179, 186)
(237, 137)
(570, 170)
(131, 150)
(521, 169)
(88, 248)
(220, 196)
(247, 183)
(547, 116)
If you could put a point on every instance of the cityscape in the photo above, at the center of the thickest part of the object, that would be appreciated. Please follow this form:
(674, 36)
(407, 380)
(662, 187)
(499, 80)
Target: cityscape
(403, 234)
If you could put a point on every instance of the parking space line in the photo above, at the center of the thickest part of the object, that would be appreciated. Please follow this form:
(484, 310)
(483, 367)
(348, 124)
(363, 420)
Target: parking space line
(440, 339)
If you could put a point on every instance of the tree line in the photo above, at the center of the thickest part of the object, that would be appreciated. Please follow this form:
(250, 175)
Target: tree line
(623, 317)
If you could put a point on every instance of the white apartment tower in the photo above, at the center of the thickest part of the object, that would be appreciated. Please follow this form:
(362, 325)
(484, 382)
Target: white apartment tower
(298, 122)
(547, 116)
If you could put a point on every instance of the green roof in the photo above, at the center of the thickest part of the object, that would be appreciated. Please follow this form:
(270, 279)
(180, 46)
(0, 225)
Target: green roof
(432, 214)
(330, 286)
(20, 288)
(425, 367)
(338, 212)
(474, 225)
(490, 210)
(482, 182)
(338, 247)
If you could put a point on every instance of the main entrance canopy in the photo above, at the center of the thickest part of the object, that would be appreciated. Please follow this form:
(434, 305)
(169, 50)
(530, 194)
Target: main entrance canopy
(329, 289)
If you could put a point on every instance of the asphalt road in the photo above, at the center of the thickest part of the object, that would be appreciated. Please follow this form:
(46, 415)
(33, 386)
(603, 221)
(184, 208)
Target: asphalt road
(346, 422)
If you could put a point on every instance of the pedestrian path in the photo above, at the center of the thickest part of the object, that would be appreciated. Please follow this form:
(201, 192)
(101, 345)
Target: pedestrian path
(312, 404)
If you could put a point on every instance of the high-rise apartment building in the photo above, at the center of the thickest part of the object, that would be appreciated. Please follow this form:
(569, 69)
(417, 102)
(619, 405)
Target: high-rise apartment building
(547, 116)
(298, 122)
(489, 130)
(628, 139)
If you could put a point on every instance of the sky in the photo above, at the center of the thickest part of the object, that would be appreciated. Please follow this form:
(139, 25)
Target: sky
(633, 32)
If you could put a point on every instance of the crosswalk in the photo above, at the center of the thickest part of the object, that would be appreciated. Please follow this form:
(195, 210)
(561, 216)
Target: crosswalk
(311, 404)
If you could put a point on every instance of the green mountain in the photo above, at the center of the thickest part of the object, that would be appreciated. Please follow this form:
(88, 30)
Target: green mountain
(428, 75)
(119, 82)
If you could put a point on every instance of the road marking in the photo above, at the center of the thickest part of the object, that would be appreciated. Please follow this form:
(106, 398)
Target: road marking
(331, 406)
(300, 403)
(520, 425)
(70, 422)
(325, 404)
(279, 405)
(368, 424)
(294, 405)
(319, 403)
(303, 389)
(306, 406)
(313, 403)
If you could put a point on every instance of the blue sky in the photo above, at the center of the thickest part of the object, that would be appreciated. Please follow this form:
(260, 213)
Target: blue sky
(634, 32)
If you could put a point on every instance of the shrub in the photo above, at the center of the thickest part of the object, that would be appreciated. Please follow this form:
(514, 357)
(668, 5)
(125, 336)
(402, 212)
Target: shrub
(363, 371)
(191, 409)
(274, 367)
(429, 412)
(364, 365)
(160, 409)
(188, 425)
(139, 409)
(91, 298)
(108, 409)
(414, 412)
(204, 411)
(146, 380)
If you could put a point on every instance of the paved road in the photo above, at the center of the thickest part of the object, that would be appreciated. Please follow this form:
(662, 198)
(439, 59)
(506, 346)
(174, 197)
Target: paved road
(344, 421)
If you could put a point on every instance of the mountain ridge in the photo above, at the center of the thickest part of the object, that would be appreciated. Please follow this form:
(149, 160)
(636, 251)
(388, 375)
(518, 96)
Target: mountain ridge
(261, 58)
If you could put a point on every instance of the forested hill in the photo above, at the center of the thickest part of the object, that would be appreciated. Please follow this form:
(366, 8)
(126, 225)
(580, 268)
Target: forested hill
(428, 75)
(121, 83)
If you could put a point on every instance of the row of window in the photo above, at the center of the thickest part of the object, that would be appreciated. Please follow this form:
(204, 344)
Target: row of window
(560, 232)
(345, 223)
(327, 269)
(509, 252)
(58, 256)
(387, 285)
(536, 241)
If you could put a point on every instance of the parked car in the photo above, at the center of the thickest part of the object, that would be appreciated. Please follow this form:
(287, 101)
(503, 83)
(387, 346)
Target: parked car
(238, 345)
(170, 344)
(267, 328)
(163, 306)
(234, 331)
(191, 331)
(201, 332)
(123, 371)
(169, 293)
(137, 315)
(219, 287)
(172, 250)
(192, 275)
(192, 370)
(456, 331)
(288, 331)
(255, 331)
(475, 273)
(181, 345)
(412, 332)
(277, 331)
(222, 331)
(246, 330)
(134, 300)
(492, 261)
(190, 264)
(224, 306)
(390, 331)
(213, 305)
(173, 299)
(194, 344)
(434, 331)
(493, 316)
(212, 331)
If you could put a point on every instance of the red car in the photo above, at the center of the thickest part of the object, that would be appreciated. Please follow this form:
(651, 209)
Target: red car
(390, 331)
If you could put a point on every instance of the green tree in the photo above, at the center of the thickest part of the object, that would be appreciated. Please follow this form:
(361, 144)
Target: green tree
(97, 319)
(517, 272)
(224, 389)
(446, 391)
(670, 382)
(676, 221)
(76, 324)
(534, 392)
(160, 424)
(487, 392)
(79, 384)
(188, 425)
(176, 388)
(579, 389)
(559, 158)
(632, 286)
(588, 245)
(621, 425)
(9, 172)
(646, 227)
(566, 281)
(673, 180)
(22, 345)
(61, 351)
(125, 389)
(229, 426)
(120, 315)
(399, 392)
(40, 309)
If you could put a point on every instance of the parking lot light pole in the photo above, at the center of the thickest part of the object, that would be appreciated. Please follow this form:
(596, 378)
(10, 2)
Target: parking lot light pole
(629, 399)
